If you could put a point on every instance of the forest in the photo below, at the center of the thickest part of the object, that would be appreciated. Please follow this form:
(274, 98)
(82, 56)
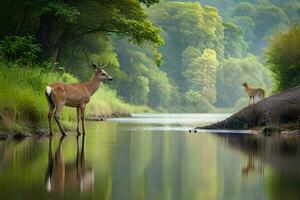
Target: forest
(166, 56)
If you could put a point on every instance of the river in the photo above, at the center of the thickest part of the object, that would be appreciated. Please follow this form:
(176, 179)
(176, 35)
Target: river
(153, 157)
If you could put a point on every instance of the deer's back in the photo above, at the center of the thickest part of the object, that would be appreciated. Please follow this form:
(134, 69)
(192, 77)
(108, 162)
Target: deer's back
(72, 95)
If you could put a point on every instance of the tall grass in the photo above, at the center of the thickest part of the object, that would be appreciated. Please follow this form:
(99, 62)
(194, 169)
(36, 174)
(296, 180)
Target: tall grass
(23, 104)
(22, 99)
(106, 102)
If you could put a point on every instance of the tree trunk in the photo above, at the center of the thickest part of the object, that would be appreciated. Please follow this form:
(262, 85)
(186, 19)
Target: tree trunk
(272, 111)
(43, 33)
(56, 53)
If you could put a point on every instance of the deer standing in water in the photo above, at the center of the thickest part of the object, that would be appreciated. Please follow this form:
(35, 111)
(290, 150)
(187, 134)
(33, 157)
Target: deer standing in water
(253, 92)
(73, 95)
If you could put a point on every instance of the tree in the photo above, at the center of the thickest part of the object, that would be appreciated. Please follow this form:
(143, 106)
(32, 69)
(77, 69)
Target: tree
(201, 74)
(234, 44)
(195, 102)
(56, 23)
(292, 10)
(184, 25)
(247, 26)
(267, 18)
(244, 9)
(142, 81)
(233, 72)
(283, 58)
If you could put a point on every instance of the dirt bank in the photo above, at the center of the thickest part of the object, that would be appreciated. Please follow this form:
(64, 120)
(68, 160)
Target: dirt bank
(36, 131)
(274, 111)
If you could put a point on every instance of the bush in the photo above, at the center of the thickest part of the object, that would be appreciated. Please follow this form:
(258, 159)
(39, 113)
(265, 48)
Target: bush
(21, 49)
(283, 58)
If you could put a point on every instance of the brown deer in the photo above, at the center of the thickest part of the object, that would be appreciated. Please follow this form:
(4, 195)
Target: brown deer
(253, 92)
(73, 95)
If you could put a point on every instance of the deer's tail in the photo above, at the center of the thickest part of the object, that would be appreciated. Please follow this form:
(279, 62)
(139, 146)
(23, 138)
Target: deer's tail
(48, 92)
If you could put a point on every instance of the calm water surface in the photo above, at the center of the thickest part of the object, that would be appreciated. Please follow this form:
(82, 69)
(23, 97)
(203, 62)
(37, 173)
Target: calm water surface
(153, 157)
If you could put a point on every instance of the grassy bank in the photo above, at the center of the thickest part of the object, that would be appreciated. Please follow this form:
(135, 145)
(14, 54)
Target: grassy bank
(23, 105)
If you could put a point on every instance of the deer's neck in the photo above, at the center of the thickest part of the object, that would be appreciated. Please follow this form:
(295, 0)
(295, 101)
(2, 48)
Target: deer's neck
(247, 88)
(93, 85)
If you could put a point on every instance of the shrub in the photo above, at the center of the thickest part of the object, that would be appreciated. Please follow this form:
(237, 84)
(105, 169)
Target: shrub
(22, 49)
(283, 58)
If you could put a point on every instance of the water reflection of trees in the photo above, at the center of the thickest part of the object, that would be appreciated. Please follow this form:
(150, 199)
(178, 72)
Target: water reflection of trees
(76, 175)
(279, 155)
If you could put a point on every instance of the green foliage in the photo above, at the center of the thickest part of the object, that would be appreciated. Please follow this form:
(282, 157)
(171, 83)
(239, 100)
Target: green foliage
(292, 9)
(96, 47)
(149, 2)
(282, 57)
(57, 23)
(233, 72)
(21, 49)
(23, 103)
(258, 19)
(195, 102)
(201, 74)
(191, 32)
(141, 82)
(106, 101)
(61, 10)
(247, 26)
(22, 100)
(201, 61)
(267, 18)
(234, 43)
(244, 9)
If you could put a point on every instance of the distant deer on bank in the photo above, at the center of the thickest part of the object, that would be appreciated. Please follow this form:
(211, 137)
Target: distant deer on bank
(75, 95)
(253, 92)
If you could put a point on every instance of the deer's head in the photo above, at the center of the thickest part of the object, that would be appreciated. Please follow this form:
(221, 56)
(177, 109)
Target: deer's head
(245, 84)
(100, 73)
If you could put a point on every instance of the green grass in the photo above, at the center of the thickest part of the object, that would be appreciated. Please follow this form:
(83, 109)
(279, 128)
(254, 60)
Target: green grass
(23, 105)
(105, 101)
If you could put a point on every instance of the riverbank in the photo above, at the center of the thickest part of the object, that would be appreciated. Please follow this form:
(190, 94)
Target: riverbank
(23, 107)
(276, 113)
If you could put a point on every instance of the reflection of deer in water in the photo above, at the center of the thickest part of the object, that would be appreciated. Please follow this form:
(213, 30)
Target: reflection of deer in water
(76, 175)
(251, 166)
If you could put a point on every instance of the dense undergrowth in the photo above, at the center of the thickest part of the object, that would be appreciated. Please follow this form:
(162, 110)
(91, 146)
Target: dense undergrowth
(22, 100)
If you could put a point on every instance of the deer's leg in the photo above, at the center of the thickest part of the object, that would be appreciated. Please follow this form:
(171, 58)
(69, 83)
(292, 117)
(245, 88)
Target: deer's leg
(78, 119)
(50, 166)
(249, 100)
(59, 171)
(58, 110)
(82, 110)
(50, 114)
